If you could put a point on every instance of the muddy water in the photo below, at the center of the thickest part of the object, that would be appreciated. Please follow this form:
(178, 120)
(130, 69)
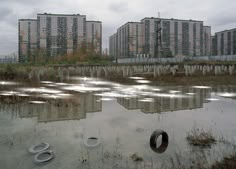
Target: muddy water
(121, 117)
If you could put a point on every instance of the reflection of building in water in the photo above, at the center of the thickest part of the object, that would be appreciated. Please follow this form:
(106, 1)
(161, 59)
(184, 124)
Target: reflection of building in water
(92, 103)
(60, 110)
(129, 103)
(164, 104)
(226, 90)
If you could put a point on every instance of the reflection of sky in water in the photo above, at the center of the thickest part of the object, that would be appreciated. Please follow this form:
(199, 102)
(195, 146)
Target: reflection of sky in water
(8, 83)
(40, 90)
(202, 87)
(136, 78)
(123, 116)
(37, 102)
(143, 81)
(227, 94)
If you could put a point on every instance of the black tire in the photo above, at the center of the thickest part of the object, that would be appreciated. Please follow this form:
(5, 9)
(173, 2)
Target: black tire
(165, 141)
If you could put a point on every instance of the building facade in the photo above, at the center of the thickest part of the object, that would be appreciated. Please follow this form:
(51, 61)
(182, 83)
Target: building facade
(225, 42)
(165, 104)
(58, 35)
(27, 39)
(128, 41)
(159, 37)
(113, 46)
(207, 45)
(94, 35)
(213, 45)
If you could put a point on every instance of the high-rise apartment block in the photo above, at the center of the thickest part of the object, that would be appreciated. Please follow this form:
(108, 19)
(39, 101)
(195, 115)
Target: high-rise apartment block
(224, 42)
(113, 46)
(27, 38)
(159, 37)
(130, 39)
(94, 35)
(57, 35)
(207, 41)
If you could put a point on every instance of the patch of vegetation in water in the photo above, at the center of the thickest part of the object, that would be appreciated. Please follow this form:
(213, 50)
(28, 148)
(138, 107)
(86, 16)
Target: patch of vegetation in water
(200, 137)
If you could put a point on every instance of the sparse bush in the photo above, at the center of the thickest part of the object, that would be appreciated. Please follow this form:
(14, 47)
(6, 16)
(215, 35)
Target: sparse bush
(9, 72)
(200, 137)
(226, 163)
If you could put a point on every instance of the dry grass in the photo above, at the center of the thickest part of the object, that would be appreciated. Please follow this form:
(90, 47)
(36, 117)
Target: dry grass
(194, 80)
(226, 163)
(200, 137)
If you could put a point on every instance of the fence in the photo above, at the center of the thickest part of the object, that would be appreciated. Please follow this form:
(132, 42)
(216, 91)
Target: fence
(178, 59)
(8, 60)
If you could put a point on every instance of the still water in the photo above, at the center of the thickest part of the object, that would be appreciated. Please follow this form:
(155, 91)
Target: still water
(122, 117)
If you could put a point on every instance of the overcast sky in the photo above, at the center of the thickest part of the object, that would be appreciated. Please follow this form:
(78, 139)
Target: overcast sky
(219, 14)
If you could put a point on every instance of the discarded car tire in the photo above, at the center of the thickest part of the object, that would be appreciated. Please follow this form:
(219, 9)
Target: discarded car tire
(38, 148)
(87, 144)
(165, 141)
(40, 157)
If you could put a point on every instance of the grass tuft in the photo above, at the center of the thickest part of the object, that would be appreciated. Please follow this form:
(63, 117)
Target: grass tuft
(200, 137)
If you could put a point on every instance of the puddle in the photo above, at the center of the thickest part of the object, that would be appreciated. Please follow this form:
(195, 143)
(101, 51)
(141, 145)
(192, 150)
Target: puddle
(122, 116)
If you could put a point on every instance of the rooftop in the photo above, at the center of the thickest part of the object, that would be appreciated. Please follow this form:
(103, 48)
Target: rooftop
(171, 19)
(61, 14)
(233, 29)
(95, 21)
(27, 19)
(129, 23)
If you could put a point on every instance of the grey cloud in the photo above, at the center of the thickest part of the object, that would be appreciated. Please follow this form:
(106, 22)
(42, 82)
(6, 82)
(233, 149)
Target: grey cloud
(108, 30)
(223, 20)
(4, 12)
(21, 2)
(9, 44)
(216, 13)
(118, 7)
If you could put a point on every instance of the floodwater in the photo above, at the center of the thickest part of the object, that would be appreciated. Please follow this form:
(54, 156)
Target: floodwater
(120, 118)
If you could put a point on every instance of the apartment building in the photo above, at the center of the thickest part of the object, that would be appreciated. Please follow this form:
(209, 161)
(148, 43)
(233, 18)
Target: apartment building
(207, 41)
(225, 42)
(27, 38)
(213, 45)
(128, 41)
(94, 35)
(159, 37)
(113, 45)
(60, 34)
